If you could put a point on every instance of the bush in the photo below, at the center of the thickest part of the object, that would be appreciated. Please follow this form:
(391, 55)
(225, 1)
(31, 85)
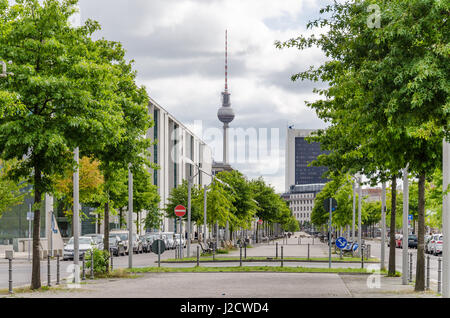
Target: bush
(101, 261)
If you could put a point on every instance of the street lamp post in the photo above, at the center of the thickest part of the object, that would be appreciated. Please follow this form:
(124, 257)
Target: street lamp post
(130, 217)
(383, 224)
(359, 214)
(76, 218)
(405, 227)
(446, 221)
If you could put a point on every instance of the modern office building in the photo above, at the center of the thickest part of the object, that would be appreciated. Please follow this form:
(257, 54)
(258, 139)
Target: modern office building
(301, 200)
(175, 147)
(299, 153)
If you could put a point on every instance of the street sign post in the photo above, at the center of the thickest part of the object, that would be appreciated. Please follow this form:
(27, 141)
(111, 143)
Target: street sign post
(180, 211)
(158, 247)
(330, 205)
(341, 242)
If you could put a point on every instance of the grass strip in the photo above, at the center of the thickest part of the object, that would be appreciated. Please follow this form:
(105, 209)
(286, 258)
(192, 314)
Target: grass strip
(258, 258)
(203, 269)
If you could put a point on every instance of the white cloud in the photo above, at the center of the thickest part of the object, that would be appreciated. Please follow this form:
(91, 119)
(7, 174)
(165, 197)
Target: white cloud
(179, 51)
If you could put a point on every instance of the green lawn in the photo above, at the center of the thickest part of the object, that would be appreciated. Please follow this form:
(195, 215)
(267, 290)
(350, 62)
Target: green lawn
(202, 269)
(257, 258)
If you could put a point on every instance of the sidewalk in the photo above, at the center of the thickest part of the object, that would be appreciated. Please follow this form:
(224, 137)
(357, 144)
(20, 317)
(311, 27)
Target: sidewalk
(237, 285)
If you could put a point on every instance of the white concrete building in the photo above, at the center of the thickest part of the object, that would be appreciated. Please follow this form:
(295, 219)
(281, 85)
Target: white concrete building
(175, 142)
(301, 200)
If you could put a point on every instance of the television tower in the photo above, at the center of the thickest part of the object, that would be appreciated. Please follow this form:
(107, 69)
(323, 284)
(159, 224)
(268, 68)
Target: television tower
(225, 113)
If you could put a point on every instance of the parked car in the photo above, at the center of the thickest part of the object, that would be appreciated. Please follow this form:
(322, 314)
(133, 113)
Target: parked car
(137, 244)
(398, 240)
(431, 243)
(85, 243)
(145, 243)
(169, 239)
(116, 245)
(123, 234)
(412, 241)
(177, 240)
(437, 246)
(98, 239)
(427, 240)
(150, 238)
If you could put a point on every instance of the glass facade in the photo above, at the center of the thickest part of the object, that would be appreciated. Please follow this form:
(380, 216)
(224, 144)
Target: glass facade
(14, 223)
(305, 153)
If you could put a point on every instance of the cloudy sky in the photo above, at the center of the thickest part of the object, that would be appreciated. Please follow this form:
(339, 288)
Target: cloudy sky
(178, 48)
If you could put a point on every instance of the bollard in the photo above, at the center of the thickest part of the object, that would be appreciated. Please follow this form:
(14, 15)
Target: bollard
(49, 275)
(57, 269)
(439, 275)
(276, 252)
(198, 256)
(428, 272)
(362, 257)
(92, 264)
(10, 282)
(308, 251)
(159, 253)
(410, 267)
(84, 268)
(240, 254)
(281, 255)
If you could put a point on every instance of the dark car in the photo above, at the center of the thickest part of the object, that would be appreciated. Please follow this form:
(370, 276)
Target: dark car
(412, 240)
(116, 245)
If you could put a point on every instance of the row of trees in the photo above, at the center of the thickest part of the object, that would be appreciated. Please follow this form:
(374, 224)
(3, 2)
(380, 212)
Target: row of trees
(388, 101)
(69, 90)
(340, 187)
(236, 201)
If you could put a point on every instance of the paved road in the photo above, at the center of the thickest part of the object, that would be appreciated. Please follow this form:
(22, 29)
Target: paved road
(376, 251)
(22, 269)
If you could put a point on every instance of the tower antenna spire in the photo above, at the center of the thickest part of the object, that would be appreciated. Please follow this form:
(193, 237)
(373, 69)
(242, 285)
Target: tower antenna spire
(226, 60)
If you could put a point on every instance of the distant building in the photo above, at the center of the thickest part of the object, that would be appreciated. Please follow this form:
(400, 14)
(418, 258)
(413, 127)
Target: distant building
(299, 153)
(372, 194)
(301, 198)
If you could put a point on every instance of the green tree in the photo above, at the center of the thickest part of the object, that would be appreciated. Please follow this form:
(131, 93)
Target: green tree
(245, 206)
(68, 90)
(393, 82)
(145, 197)
(179, 196)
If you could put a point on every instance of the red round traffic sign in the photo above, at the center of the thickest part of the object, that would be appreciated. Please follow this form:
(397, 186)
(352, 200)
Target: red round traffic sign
(180, 210)
(260, 221)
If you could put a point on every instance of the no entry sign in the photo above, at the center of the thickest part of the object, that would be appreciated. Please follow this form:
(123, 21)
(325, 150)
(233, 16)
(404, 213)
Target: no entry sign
(180, 210)
(260, 221)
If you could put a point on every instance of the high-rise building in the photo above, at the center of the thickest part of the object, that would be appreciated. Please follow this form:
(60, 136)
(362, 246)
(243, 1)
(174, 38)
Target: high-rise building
(299, 153)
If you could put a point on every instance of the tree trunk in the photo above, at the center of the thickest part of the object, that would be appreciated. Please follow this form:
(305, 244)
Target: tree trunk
(391, 266)
(120, 218)
(36, 266)
(420, 266)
